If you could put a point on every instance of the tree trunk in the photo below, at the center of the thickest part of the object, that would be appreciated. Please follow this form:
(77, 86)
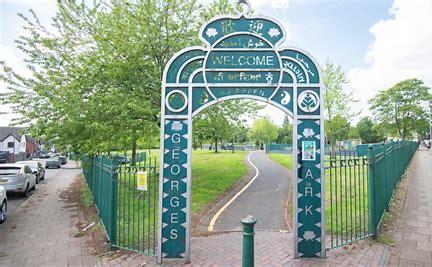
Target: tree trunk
(134, 147)
(216, 144)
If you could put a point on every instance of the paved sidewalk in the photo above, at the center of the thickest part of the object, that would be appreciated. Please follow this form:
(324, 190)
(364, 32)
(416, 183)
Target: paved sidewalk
(42, 230)
(413, 236)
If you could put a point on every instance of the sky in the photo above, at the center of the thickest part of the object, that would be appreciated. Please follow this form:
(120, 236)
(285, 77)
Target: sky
(376, 42)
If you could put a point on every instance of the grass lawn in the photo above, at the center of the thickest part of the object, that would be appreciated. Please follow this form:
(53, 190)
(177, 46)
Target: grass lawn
(212, 175)
(346, 198)
(285, 160)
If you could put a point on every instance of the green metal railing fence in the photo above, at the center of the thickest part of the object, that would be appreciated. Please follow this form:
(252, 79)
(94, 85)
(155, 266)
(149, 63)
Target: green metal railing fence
(387, 164)
(100, 173)
(279, 148)
(127, 207)
(137, 208)
(346, 200)
(360, 187)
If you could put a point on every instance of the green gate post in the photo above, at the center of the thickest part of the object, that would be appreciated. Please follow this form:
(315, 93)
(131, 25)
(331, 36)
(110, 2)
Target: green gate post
(248, 240)
(371, 189)
(113, 211)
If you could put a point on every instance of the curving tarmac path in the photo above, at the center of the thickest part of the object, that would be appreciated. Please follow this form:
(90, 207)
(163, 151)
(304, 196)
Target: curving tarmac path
(264, 198)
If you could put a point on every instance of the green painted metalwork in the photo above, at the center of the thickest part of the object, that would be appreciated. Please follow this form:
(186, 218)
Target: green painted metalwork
(361, 186)
(100, 174)
(248, 253)
(388, 162)
(279, 148)
(127, 213)
(347, 195)
(243, 58)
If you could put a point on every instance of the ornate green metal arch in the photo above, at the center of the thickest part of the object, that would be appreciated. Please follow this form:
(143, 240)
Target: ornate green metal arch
(242, 59)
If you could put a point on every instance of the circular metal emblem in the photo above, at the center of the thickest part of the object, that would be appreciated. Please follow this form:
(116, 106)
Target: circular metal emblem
(308, 101)
(176, 101)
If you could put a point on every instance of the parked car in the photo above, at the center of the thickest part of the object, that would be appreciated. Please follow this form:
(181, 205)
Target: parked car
(62, 159)
(37, 168)
(52, 163)
(17, 178)
(3, 205)
(4, 155)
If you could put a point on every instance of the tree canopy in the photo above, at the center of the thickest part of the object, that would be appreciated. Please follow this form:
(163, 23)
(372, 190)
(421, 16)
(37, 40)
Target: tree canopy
(263, 131)
(403, 109)
(337, 103)
(369, 132)
(339, 130)
(285, 132)
(96, 78)
(223, 121)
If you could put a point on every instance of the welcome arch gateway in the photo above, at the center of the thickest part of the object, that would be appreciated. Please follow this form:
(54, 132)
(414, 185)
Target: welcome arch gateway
(242, 58)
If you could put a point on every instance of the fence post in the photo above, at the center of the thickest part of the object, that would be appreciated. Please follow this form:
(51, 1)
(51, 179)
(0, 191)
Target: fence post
(248, 223)
(371, 189)
(388, 190)
(113, 202)
(92, 186)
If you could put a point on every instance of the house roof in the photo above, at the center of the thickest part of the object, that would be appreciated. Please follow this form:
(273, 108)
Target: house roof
(6, 131)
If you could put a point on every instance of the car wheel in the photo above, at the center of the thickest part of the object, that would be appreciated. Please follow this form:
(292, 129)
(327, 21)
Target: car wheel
(37, 180)
(3, 212)
(26, 191)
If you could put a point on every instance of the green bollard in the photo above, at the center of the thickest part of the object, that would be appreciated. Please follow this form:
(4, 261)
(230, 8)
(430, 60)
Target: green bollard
(248, 240)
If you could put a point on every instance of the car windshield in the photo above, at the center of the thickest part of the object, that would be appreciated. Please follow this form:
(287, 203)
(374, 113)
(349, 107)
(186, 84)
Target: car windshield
(9, 170)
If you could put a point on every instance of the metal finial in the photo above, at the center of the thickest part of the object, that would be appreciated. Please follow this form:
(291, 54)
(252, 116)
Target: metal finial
(245, 4)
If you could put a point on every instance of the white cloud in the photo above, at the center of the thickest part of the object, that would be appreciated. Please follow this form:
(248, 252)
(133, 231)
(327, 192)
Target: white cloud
(402, 49)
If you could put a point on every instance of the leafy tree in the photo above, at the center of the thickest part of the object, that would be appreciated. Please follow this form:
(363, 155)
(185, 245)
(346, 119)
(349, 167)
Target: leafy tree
(368, 131)
(285, 132)
(353, 133)
(339, 130)
(263, 131)
(403, 108)
(241, 134)
(337, 101)
(95, 79)
(223, 120)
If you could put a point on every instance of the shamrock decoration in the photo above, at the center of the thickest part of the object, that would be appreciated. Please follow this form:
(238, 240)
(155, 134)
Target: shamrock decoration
(308, 132)
(309, 235)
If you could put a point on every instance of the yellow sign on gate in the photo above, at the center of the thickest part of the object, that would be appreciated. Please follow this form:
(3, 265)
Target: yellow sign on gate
(142, 180)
